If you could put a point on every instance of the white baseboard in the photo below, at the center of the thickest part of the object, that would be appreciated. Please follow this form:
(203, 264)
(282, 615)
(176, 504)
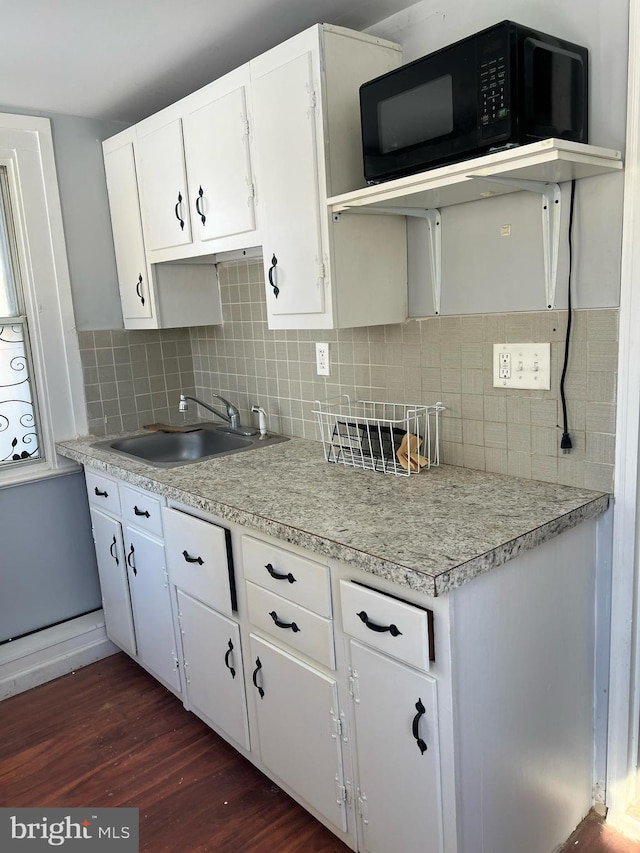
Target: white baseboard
(625, 823)
(53, 652)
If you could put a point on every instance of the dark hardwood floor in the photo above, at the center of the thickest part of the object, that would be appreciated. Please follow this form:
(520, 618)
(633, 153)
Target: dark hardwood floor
(109, 735)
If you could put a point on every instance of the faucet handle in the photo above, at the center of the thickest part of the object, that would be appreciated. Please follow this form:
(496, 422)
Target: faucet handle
(262, 420)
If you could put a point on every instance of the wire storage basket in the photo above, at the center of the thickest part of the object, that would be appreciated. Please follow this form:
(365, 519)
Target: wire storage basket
(393, 438)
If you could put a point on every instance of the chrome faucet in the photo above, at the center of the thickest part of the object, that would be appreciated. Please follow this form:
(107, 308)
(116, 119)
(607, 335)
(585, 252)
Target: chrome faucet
(231, 415)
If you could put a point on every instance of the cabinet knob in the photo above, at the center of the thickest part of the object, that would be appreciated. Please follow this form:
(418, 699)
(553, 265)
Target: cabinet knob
(138, 290)
(199, 211)
(415, 727)
(254, 678)
(130, 561)
(178, 217)
(381, 629)
(189, 559)
(113, 552)
(277, 576)
(226, 660)
(291, 625)
(273, 276)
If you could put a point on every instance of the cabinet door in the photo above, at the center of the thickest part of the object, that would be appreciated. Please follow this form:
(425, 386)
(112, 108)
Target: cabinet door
(286, 101)
(122, 188)
(114, 584)
(164, 187)
(150, 598)
(296, 708)
(216, 140)
(397, 755)
(214, 678)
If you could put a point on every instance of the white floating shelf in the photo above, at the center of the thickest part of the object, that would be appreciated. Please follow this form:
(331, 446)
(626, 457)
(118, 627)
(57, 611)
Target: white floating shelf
(549, 161)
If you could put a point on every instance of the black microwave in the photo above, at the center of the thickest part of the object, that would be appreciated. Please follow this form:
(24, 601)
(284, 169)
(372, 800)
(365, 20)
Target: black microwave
(504, 86)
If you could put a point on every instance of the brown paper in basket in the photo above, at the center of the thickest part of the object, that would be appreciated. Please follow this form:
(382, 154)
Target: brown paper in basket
(408, 455)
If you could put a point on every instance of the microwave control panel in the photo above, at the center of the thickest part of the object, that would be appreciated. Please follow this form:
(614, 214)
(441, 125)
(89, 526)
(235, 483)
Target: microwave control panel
(493, 84)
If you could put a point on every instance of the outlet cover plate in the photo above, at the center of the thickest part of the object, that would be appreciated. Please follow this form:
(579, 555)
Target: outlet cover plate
(522, 366)
(323, 365)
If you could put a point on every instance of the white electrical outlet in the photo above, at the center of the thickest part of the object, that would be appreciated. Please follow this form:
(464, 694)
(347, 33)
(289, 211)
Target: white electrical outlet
(522, 366)
(322, 360)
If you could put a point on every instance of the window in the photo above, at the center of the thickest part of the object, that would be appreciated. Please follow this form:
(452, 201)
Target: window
(41, 392)
(19, 438)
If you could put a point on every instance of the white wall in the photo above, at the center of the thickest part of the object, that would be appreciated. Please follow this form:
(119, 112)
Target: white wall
(77, 144)
(482, 271)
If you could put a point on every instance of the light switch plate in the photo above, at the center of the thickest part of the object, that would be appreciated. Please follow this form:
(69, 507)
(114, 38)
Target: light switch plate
(522, 366)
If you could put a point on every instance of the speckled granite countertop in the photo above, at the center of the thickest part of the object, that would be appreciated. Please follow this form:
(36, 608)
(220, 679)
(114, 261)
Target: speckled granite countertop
(431, 532)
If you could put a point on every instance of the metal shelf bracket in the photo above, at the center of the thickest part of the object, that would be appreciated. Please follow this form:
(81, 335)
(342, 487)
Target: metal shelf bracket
(551, 212)
(433, 219)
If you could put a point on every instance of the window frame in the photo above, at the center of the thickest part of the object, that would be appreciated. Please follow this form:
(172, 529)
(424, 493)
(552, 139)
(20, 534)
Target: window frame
(26, 147)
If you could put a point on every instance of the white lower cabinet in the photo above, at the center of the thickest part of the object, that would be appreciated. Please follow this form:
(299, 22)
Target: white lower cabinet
(151, 602)
(212, 659)
(132, 568)
(398, 759)
(114, 583)
(399, 733)
(298, 728)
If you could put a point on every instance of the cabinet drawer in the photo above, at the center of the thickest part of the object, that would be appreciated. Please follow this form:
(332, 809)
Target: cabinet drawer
(402, 630)
(299, 628)
(199, 559)
(285, 573)
(103, 492)
(141, 509)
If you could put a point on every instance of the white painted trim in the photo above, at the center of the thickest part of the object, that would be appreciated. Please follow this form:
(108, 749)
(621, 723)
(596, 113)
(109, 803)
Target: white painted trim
(53, 652)
(624, 681)
(26, 144)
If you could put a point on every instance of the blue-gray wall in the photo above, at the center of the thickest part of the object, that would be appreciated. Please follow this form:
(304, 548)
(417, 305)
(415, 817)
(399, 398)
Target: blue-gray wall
(47, 563)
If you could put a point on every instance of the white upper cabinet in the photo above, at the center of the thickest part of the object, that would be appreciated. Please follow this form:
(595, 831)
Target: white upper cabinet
(216, 140)
(163, 182)
(321, 273)
(131, 263)
(195, 173)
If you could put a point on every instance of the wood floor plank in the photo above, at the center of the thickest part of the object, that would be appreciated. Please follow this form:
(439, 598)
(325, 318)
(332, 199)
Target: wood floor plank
(110, 735)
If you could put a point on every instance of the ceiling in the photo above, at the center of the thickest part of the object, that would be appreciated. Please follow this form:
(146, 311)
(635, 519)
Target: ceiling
(125, 59)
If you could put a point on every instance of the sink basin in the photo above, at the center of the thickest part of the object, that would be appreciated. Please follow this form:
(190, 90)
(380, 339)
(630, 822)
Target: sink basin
(169, 449)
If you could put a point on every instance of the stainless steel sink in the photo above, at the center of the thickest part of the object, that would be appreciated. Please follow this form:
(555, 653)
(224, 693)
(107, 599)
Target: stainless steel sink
(170, 449)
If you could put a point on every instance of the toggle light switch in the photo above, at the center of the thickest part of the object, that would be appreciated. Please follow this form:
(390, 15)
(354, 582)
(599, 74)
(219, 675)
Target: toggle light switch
(531, 366)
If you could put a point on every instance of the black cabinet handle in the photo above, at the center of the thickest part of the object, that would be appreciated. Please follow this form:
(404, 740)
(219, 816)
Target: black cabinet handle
(189, 559)
(272, 276)
(226, 660)
(278, 576)
(381, 629)
(112, 551)
(280, 624)
(254, 678)
(130, 562)
(178, 217)
(143, 512)
(100, 494)
(415, 727)
(203, 218)
(138, 291)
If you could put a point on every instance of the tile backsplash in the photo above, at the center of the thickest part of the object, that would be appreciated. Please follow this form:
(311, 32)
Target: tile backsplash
(134, 378)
